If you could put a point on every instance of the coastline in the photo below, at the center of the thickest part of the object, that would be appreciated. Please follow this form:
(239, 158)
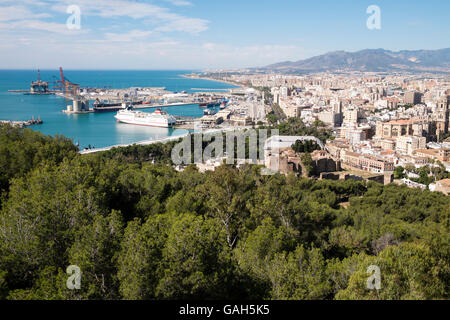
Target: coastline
(141, 143)
(239, 86)
(150, 142)
(168, 139)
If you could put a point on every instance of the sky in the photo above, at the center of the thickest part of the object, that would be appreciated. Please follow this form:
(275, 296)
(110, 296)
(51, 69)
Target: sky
(207, 34)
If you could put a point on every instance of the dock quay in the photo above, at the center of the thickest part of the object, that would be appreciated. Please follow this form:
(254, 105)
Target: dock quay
(142, 143)
(211, 90)
(186, 123)
(150, 106)
(22, 124)
(31, 93)
(136, 107)
(149, 142)
(77, 112)
(186, 126)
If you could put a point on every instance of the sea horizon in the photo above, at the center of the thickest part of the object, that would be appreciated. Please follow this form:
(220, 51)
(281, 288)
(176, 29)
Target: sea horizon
(96, 130)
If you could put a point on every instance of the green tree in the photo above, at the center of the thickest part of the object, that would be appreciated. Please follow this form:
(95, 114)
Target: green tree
(197, 262)
(257, 251)
(307, 164)
(3, 285)
(226, 192)
(95, 251)
(299, 275)
(41, 218)
(50, 284)
(140, 257)
(272, 119)
(21, 150)
(399, 172)
(407, 272)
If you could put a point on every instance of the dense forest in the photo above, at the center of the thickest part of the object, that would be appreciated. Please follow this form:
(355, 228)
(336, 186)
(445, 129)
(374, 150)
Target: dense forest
(138, 229)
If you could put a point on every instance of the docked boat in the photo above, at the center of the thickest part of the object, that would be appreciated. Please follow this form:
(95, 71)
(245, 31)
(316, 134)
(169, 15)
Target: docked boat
(109, 107)
(157, 119)
(99, 106)
(223, 105)
(209, 112)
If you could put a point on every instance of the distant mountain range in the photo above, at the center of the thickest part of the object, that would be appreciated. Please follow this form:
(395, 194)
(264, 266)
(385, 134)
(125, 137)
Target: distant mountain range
(371, 60)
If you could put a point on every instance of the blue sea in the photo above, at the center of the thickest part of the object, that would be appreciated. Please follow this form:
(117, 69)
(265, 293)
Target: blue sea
(95, 129)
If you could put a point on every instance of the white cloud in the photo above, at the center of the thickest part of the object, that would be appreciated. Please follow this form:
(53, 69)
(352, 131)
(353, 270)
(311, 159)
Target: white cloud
(142, 53)
(38, 25)
(153, 14)
(129, 36)
(19, 13)
(161, 18)
(26, 2)
(180, 3)
(252, 55)
(188, 25)
(137, 38)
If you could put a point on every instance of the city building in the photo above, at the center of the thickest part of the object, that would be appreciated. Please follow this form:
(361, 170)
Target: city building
(397, 128)
(351, 116)
(442, 116)
(355, 135)
(436, 154)
(441, 186)
(409, 144)
(357, 161)
(412, 98)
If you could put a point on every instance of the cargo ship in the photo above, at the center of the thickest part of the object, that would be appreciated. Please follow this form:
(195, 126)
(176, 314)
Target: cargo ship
(157, 119)
(209, 104)
(99, 106)
(223, 105)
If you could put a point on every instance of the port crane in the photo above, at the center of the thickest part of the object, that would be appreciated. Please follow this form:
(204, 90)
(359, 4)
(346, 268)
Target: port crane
(65, 85)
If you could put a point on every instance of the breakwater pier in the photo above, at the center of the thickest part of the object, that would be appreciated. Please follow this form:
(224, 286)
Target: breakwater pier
(22, 124)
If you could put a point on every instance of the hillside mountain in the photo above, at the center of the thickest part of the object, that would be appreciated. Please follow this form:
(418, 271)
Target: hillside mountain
(371, 60)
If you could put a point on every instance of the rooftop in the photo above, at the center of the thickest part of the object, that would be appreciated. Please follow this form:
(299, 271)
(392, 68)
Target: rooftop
(445, 182)
(401, 122)
(428, 151)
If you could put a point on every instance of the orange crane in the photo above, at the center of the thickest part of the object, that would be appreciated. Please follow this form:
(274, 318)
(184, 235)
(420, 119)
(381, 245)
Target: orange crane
(66, 85)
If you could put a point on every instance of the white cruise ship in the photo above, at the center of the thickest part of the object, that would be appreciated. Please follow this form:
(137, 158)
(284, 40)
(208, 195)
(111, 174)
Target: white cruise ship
(157, 119)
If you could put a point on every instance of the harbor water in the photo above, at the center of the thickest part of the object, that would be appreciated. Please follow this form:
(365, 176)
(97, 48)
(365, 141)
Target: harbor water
(95, 129)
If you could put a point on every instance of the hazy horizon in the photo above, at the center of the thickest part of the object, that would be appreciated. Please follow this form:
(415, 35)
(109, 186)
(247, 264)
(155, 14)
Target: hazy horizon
(200, 34)
(189, 70)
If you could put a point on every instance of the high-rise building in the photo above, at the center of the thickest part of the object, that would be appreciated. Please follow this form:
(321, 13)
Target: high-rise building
(442, 116)
(284, 92)
(331, 118)
(412, 98)
(355, 136)
(351, 116)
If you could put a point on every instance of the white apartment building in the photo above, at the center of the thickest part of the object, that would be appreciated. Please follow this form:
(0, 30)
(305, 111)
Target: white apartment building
(381, 104)
(290, 109)
(355, 136)
(351, 116)
(409, 144)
